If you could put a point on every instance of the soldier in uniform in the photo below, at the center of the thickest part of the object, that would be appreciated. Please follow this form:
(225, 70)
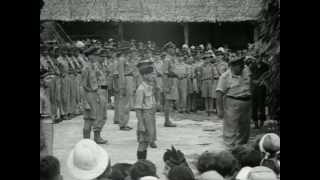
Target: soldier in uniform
(234, 103)
(64, 84)
(207, 78)
(94, 114)
(181, 71)
(169, 83)
(145, 105)
(159, 74)
(72, 82)
(115, 85)
(259, 92)
(126, 89)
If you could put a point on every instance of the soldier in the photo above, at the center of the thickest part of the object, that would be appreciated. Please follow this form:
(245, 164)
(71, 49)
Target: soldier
(191, 87)
(65, 84)
(234, 103)
(181, 71)
(207, 78)
(159, 92)
(169, 83)
(125, 70)
(72, 82)
(259, 92)
(115, 86)
(145, 105)
(94, 114)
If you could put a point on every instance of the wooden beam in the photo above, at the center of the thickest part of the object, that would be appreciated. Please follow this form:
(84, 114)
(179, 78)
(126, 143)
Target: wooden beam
(186, 33)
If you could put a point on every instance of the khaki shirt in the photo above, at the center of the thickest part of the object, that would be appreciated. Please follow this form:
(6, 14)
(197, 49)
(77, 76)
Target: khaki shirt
(181, 70)
(145, 97)
(233, 85)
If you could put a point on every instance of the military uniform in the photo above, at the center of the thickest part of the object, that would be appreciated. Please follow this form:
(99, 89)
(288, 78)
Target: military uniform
(207, 84)
(65, 88)
(94, 113)
(236, 105)
(182, 85)
(145, 105)
(170, 89)
(126, 88)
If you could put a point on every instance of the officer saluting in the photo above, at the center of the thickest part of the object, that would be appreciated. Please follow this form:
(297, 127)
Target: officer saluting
(234, 103)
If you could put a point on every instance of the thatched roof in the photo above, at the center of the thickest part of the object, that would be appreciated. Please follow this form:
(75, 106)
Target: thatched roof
(151, 10)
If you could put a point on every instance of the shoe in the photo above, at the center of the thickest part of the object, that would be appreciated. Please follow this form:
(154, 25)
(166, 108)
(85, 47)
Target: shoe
(116, 122)
(141, 155)
(129, 127)
(98, 139)
(125, 128)
(169, 124)
(153, 145)
(86, 133)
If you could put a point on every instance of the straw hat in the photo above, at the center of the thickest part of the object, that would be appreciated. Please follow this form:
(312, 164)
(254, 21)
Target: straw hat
(87, 160)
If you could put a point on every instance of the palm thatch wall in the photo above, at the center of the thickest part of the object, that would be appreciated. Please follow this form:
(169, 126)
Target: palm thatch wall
(151, 10)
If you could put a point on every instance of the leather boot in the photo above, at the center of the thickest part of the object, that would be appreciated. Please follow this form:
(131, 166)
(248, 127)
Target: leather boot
(86, 133)
(98, 139)
(142, 154)
(168, 123)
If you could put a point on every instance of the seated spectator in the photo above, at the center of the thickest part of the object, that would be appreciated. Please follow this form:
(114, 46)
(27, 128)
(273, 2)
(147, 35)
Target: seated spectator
(88, 161)
(50, 168)
(226, 164)
(120, 171)
(269, 146)
(210, 175)
(207, 162)
(247, 156)
(173, 158)
(180, 173)
(143, 168)
(256, 173)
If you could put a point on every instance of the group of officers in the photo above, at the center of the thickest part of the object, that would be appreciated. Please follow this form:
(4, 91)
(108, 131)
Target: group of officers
(84, 77)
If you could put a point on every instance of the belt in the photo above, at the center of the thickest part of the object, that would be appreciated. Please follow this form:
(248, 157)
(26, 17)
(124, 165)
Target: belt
(128, 75)
(242, 98)
(104, 87)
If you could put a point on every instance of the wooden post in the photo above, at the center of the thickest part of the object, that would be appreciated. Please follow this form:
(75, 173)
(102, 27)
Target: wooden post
(186, 33)
(120, 31)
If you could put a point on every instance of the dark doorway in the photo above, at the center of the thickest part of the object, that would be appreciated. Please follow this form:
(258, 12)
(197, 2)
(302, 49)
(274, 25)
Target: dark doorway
(160, 33)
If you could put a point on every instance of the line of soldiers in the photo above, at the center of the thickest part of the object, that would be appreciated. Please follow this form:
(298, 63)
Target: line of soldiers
(186, 78)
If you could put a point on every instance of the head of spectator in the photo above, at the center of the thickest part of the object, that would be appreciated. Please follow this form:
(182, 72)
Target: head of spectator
(207, 162)
(143, 168)
(226, 164)
(247, 155)
(173, 158)
(120, 171)
(50, 168)
(88, 161)
(256, 173)
(210, 175)
(180, 173)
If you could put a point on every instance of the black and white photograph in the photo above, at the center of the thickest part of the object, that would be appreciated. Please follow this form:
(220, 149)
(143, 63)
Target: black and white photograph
(159, 89)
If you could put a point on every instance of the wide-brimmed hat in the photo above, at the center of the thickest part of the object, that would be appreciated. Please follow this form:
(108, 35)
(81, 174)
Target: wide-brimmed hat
(269, 143)
(261, 173)
(210, 175)
(87, 160)
(149, 178)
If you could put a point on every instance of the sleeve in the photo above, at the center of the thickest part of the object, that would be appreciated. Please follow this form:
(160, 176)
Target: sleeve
(222, 84)
(139, 99)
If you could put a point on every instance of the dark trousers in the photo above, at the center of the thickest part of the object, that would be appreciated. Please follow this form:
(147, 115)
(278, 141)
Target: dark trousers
(258, 103)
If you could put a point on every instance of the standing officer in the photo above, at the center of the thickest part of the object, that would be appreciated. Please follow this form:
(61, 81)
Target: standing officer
(207, 78)
(234, 103)
(169, 83)
(94, 113)
(182, 72)
(125, 79)
(259, 92)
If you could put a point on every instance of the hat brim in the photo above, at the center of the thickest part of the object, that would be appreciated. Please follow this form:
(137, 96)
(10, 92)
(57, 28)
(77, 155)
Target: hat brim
(102, 164)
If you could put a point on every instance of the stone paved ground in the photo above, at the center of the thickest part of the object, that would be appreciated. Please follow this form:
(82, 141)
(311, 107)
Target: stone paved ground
(189, 137)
